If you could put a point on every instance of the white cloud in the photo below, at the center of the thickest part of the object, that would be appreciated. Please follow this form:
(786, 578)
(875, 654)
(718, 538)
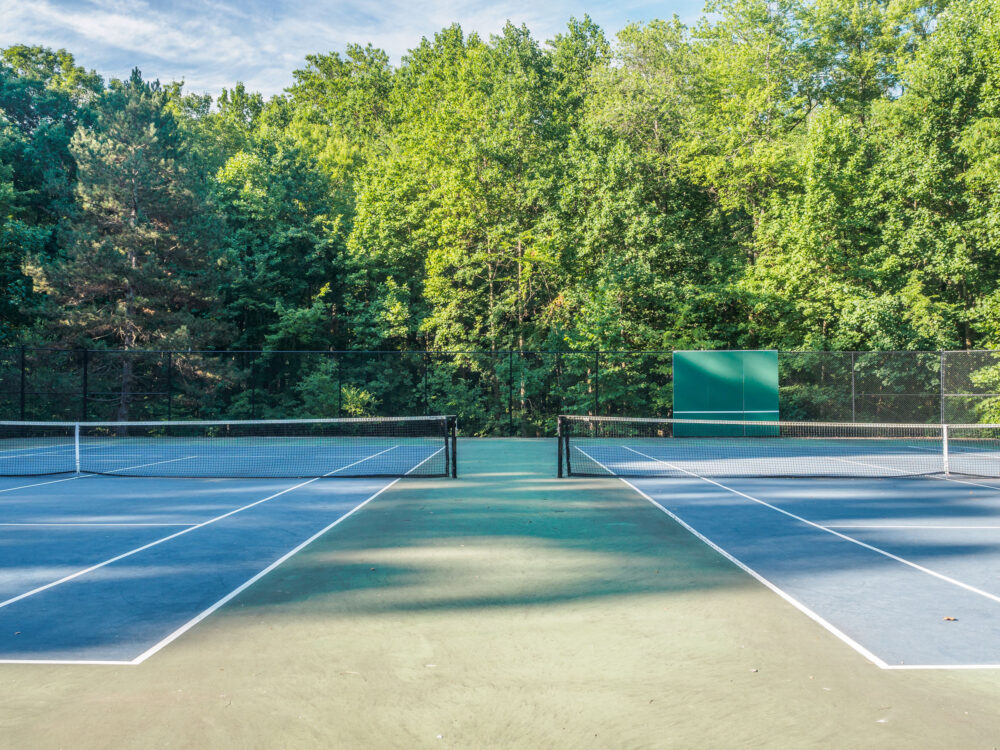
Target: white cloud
(211, 44)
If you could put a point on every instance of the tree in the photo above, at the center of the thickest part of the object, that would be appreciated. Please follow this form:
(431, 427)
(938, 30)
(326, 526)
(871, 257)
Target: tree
(466, 183)
(137, 267)
(650, 252)
(40, 95)
(283, 249)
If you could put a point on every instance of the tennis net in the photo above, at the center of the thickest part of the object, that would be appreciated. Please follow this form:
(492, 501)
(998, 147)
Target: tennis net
(614, 446)
(361, 447)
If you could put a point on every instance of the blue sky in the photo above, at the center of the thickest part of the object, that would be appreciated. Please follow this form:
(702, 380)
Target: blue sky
(211, 44)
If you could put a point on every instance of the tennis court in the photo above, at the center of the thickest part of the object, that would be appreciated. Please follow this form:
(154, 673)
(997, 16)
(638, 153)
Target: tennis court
(886, 535)
(130, 564)
(506, 607)
(98, 568)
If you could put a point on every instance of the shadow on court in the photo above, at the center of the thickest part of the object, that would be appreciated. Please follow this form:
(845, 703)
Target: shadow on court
(516, 538)
(495, 539)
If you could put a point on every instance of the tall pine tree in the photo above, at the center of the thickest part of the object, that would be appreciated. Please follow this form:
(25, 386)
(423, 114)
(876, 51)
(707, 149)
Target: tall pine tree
(137, 268)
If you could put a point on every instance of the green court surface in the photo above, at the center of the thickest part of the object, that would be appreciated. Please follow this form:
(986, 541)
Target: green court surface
(507, 608)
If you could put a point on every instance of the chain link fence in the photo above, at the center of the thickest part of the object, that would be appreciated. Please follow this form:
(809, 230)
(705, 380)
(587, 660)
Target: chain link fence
(971, 387)
(492, 392)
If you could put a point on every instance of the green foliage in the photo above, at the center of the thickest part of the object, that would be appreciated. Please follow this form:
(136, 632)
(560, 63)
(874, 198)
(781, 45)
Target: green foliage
(282, 246)
(134, 261)
(808, 174)
(324, 395)
(17, 238)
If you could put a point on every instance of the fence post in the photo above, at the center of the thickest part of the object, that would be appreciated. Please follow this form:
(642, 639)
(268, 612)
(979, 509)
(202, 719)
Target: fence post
(510, 389)
(427, 399)
(85, 385)
(941, 386)
(340, 387)
(23, 381)
(853, 416)
(559, 374)
(170, 386)
(597, 382)
(253, 389)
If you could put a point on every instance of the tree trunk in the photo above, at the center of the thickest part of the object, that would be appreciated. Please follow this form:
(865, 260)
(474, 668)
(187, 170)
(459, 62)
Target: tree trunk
(129, 339)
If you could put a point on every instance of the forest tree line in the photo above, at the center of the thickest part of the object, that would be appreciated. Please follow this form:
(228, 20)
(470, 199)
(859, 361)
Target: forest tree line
(786, 174)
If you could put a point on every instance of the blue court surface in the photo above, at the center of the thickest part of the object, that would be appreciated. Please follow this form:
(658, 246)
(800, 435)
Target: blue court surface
(904, 570)
(97, 569)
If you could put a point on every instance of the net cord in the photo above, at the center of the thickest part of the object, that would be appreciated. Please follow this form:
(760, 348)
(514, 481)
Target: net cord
(943, 434)
(778, 423)
(213, 422)
(567, 418)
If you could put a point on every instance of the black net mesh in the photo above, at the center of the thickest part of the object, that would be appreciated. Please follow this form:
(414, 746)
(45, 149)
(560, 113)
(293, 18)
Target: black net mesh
(609, 446)
(365, 447)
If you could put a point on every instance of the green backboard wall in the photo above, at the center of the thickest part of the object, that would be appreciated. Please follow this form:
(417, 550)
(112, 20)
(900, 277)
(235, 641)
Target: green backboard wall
(729, 385)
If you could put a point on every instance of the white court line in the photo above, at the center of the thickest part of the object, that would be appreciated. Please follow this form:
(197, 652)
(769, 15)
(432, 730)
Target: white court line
(92, 662)
(368, 458)
(727, 411)
(62, 450)
(51, 481)
(85, 475)
(900, 473)
(905, 526)
(815, 617)
(246, 584)
(943, 666)
(207, 612)
(154, 543)
(903, 474)
(828, 530)
(154, 463)
(829, 626)
(94, 523)
(232, 594)
(47, 448)
(235, 592)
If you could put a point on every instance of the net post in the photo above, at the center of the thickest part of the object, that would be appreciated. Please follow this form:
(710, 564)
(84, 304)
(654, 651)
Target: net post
(76, 446)
(447, 446)
(454, 446)
(944, 447)
(559, 460)
(565, 431)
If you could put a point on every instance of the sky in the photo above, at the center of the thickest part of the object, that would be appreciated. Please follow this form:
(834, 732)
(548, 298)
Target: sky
(212, 44)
